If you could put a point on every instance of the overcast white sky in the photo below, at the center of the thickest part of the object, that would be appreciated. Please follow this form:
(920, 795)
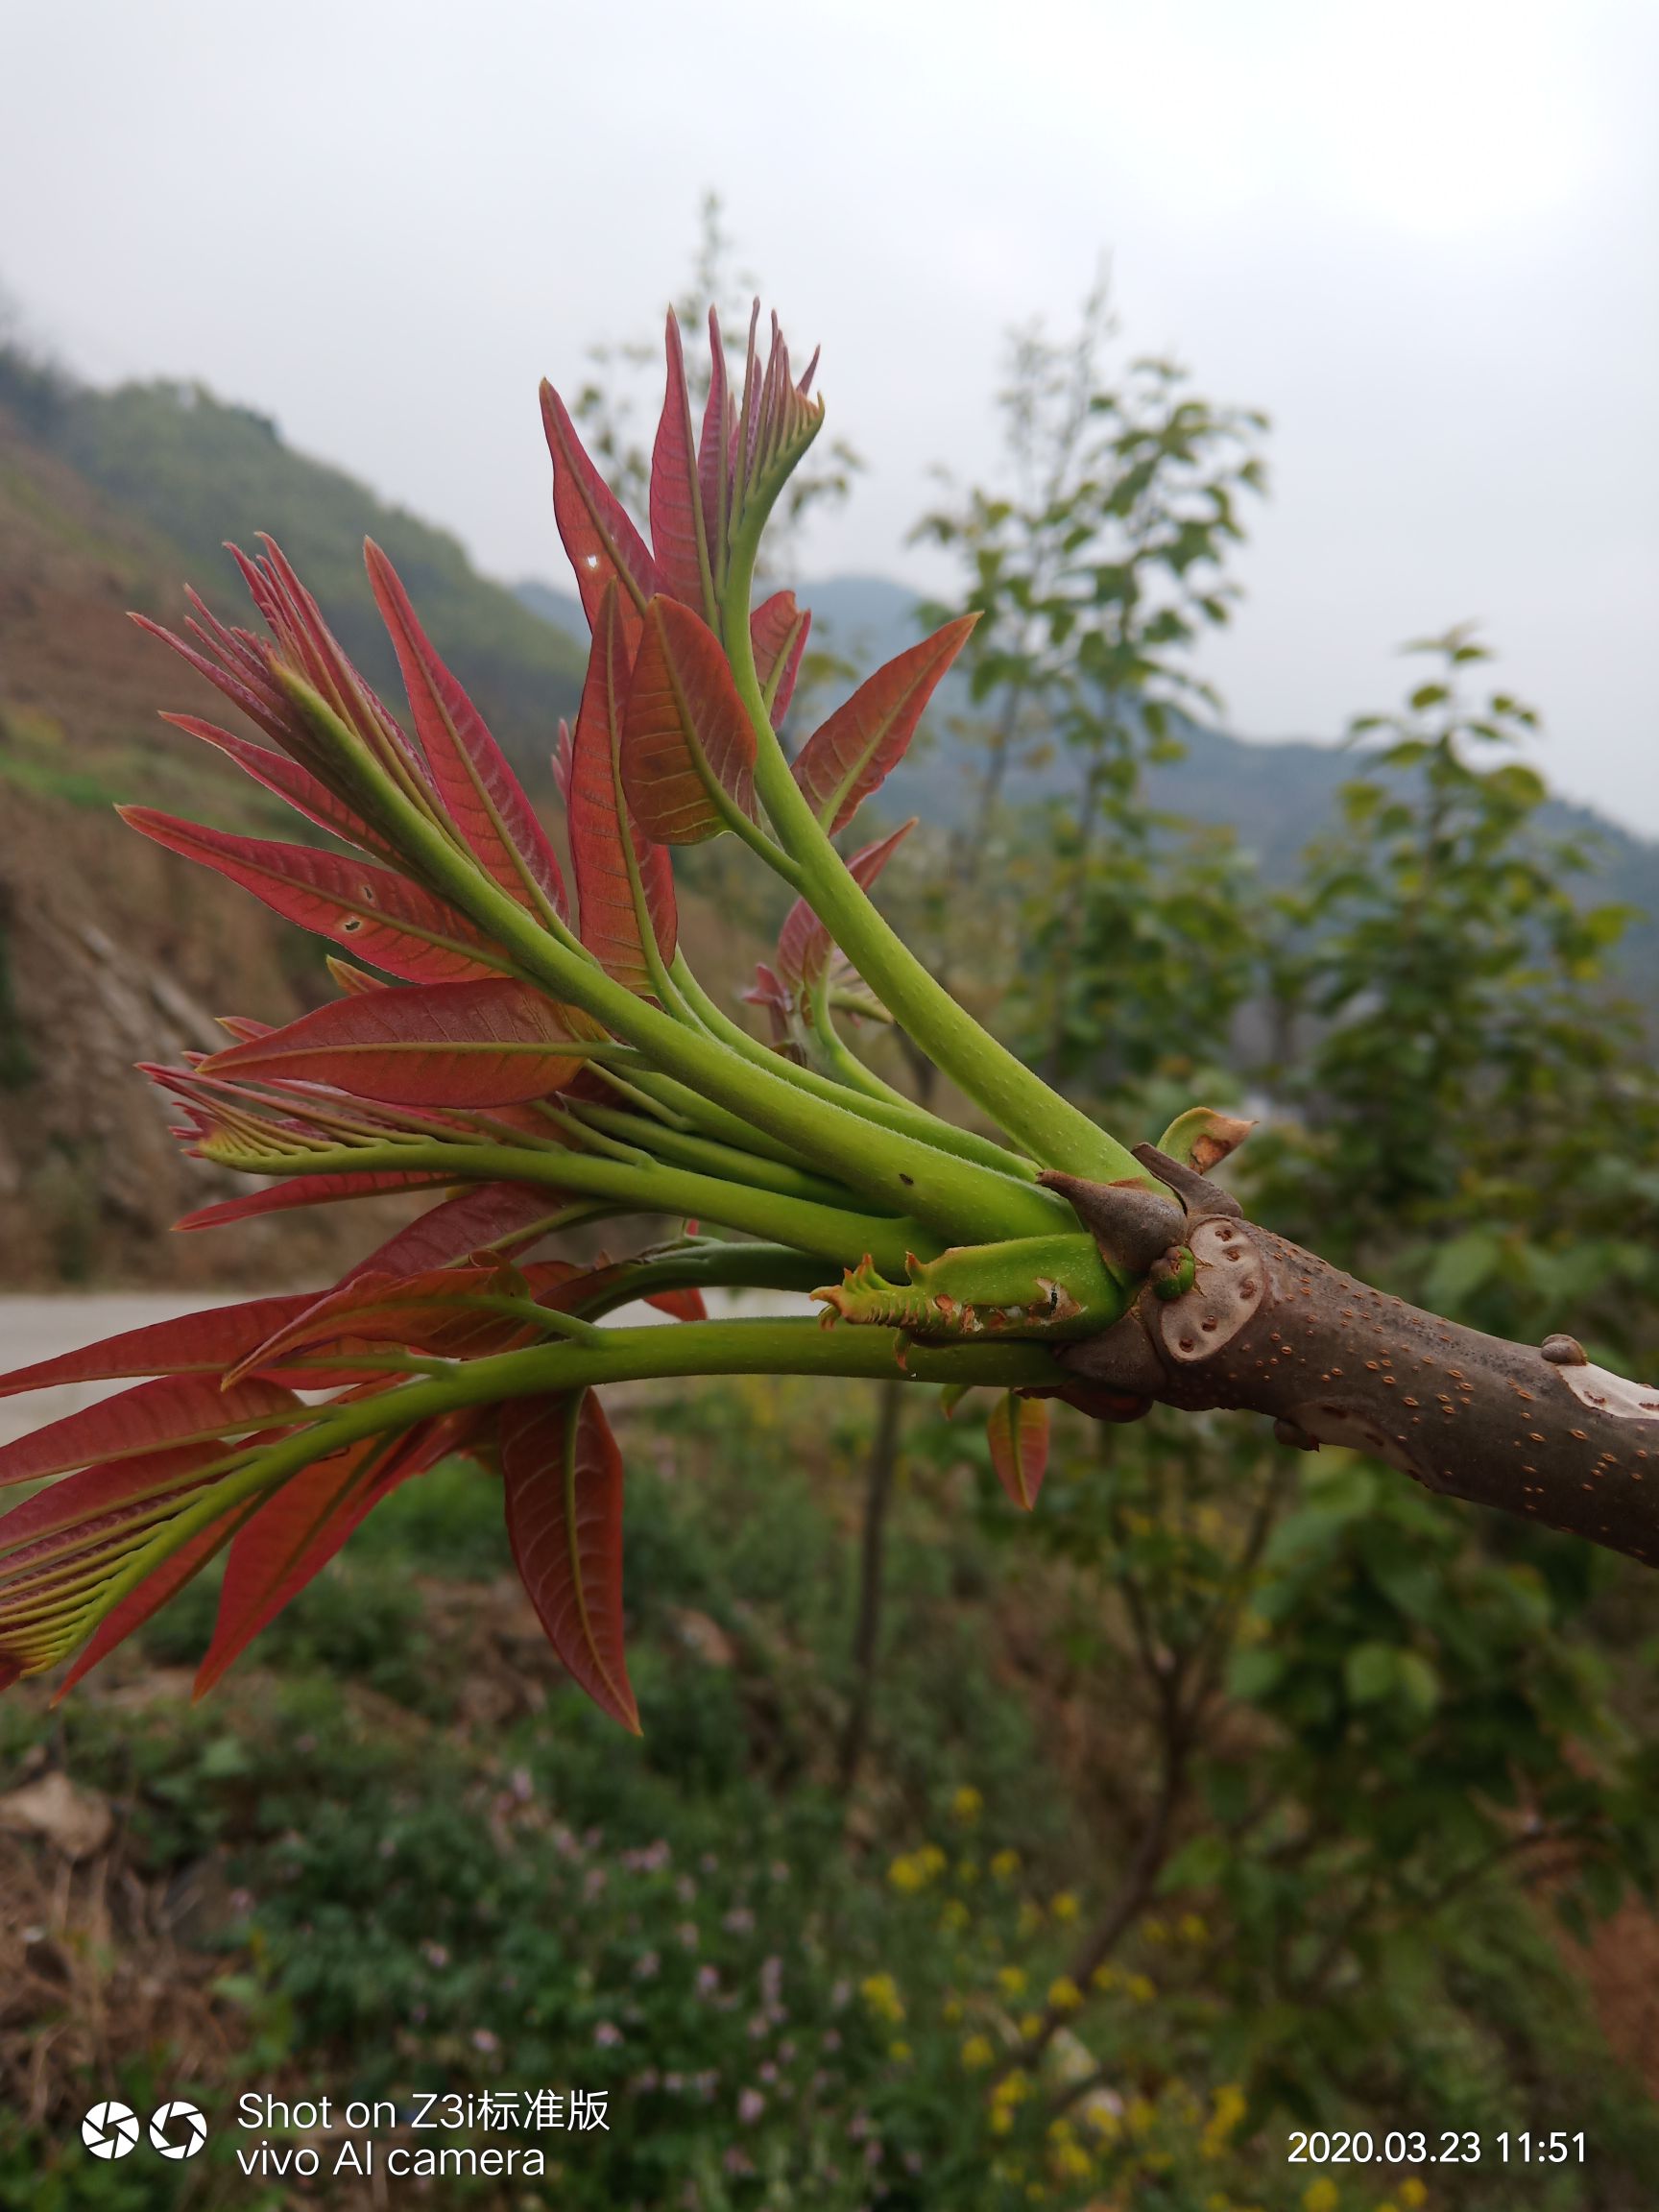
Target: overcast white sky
(1421, 234)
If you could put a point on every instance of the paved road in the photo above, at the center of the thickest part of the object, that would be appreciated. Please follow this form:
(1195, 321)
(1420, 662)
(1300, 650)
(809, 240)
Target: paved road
(39, 1327)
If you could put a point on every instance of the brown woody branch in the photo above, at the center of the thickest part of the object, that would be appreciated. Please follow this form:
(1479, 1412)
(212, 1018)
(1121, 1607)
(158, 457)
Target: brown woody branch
(1266, 1327)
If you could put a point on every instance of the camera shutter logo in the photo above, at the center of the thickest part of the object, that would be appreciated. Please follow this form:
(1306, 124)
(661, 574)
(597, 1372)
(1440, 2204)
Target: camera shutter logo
(177, 2130)
(110, 2130)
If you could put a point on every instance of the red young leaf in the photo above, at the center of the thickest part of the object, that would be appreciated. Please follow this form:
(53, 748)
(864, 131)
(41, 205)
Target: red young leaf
(153, 1593)
(486, 1218)
(100, 1508)
(1019, 1434)
(683, 1304)
(61, 1549)
(778, 420)
(174, 1409)
(562, 759)
(687, 746)
(237, 664)
(300, 1527)
(717, 448)
(602, 544)
(676, 541)
(194, 1344)
(563, 1478)
(439, 1045)
(307, 1190)
(289, 781)
(353, 982)
(384, 918)
(863, 741)
(618, 869)
(405, 1310)
(308, 646)
(778, 630)
(484, 797)
(803, 944)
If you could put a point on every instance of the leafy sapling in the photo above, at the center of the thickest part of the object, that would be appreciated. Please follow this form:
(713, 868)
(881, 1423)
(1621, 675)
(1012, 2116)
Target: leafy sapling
(536, 1054)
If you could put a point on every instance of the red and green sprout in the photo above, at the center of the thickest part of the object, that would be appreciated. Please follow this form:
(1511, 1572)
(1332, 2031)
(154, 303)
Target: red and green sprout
(528, 1043)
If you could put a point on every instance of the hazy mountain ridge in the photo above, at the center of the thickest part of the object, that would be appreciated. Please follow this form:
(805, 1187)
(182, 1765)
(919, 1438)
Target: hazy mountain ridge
(195, 470)
(1275, 794)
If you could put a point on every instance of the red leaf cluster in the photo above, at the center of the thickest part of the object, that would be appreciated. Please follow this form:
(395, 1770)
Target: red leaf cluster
(436, 861)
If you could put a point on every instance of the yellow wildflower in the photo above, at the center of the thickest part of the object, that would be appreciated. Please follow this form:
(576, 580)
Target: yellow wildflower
(950, 2012)
(1030, 1917)
(1064, 1994)
(1141, 1989)
(978, 2051)
(1005, 1865)
(931, 1861)
(1072, 2163)
(967, 1805)
(1194, 1928)
(1001, 2120)
(1012, 2089)
(1141, 2117)
(1011, 1980)
(1155, 1931)
(1320, 2195)
(1064, 1906)
(954, 1916)
(1031, 2024)
(1229, 2109)
(1106, 1977)
(880, 1992)
(907, 1875)
(967, 1872)
(1412, 2194)
(902, 2052)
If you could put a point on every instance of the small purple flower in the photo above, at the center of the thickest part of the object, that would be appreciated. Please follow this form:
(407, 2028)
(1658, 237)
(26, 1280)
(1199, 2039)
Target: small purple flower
(687, 1931)
(685, 1889)
(832, 2039)
(483, 2040)
(647, 1967)
(768, 2073)
(708, 1980)
(593, 1882)
(750, 2107)
(740, 1921)
(606, 2035)
(436, 1956)
(771, 1980)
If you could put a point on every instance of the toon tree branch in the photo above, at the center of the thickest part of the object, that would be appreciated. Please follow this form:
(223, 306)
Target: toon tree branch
(1232, 1317)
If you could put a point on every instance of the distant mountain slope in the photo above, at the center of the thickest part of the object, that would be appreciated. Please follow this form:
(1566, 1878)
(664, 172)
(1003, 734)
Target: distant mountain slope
(1276, 796)
(198, 471)
(113, 951)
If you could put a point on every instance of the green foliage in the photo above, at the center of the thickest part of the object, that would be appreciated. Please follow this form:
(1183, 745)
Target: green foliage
(1479, 1110)
(1096, 577)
